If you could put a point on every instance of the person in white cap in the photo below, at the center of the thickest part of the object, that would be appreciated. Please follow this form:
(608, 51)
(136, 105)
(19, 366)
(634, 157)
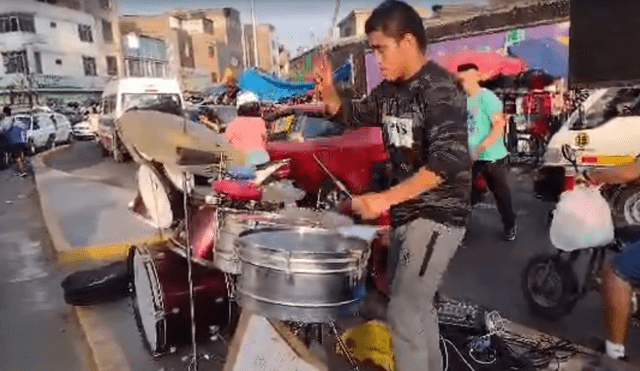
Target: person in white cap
(248, 131)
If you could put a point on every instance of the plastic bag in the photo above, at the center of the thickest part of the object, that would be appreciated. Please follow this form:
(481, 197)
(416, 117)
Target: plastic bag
(582, 220)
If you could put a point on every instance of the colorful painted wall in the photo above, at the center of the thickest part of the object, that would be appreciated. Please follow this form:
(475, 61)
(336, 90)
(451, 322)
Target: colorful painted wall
(491, 42)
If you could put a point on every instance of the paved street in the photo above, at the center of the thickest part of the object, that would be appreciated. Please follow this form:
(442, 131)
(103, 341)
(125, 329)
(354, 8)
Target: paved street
(487, 270)
(38, 331)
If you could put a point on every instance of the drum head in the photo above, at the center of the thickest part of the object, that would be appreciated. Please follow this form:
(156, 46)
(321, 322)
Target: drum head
(156, 196)
(146, 297)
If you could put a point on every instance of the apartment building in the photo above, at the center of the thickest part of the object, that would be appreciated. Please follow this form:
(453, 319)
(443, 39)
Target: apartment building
(284, 57)
(353, 24)
(267, 46)
(227, 30)
(144, 56)
(200, 44)
(57, 47)
(167, 28)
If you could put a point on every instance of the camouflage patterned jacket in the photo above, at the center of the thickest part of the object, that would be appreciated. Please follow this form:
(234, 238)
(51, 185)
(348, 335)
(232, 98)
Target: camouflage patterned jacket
(424, 124)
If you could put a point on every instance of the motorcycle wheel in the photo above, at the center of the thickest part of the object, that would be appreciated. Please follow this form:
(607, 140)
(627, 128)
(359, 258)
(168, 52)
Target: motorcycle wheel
(550, 286)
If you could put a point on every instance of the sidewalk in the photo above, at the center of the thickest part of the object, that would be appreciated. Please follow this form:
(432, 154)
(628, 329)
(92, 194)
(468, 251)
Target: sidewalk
(88, 219)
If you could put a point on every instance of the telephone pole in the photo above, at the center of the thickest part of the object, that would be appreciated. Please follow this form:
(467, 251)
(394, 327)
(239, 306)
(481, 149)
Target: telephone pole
(255, 34)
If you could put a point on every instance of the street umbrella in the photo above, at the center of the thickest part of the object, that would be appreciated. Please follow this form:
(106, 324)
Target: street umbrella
(547, 55)
(490, 64)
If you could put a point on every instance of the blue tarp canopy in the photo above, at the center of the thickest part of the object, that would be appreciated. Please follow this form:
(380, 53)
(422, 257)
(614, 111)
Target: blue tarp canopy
(546, 54)
(272, 89)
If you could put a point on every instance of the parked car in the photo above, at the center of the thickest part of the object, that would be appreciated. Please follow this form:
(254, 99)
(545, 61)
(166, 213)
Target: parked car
(604, 132)
(356, 157)
(63, 128)
(83, 130)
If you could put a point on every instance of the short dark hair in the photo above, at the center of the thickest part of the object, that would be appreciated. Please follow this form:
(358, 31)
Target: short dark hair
(6, 111)
(251, 109)
(467, 67)
(396, 19)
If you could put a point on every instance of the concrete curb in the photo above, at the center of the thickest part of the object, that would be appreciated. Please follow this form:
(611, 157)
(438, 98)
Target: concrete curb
(105, 353)
(64, 252)
(53, 226)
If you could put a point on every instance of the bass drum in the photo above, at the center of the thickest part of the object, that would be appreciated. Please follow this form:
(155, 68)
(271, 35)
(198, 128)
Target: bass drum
(160, 293)
(161, 199)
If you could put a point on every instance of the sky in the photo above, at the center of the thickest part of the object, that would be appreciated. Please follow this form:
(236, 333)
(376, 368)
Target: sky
(297, 22)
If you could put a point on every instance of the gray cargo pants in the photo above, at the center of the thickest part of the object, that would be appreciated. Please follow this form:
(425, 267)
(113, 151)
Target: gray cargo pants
(419, 256)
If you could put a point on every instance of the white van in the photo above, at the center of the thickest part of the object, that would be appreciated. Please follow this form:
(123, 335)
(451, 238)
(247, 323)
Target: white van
(134, 93)
(605, 132)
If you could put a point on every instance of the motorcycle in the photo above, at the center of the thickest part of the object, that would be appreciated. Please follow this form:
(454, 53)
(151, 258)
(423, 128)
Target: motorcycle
(549, 281)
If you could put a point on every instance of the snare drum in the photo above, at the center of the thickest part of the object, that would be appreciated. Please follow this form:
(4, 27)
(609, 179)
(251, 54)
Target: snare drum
(224, 225)
(161, 297)
(232, 223)
(302, 274)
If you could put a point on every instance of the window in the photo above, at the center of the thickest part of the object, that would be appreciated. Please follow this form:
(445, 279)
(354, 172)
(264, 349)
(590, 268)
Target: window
(109, 104)
(315, 127)
(168, 103)
(107, 31)
(135, 68)
(85, 33)
(38, 60)
(208, 26)
(212, 51)
(15, 62)
(159, 69)
(89, 64)
(105, 4)
(611, 103)
(59, 62)
(17, 22)
(112, 66)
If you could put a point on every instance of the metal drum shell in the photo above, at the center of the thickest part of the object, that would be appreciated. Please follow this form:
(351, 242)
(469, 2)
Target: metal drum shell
(305, 286)
(232, 224)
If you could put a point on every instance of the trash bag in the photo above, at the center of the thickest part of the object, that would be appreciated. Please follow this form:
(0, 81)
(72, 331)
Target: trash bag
(582, 220)
(96, 286)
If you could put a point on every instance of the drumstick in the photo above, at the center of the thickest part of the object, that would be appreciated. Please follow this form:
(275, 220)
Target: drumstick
(335, 180)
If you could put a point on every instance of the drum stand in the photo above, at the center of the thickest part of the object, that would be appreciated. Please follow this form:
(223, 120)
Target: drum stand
(193, 362)
(315, 331)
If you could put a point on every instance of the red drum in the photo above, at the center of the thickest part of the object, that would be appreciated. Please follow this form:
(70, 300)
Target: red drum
(161, 298)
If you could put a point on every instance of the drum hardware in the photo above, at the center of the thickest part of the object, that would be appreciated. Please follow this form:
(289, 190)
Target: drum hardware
(193, 365)
(343, 346)
(335, 180)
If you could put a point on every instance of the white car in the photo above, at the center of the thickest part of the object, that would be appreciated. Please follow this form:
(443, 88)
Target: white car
(605, 132)
(62, 126)
(44, 130)
(83, 130)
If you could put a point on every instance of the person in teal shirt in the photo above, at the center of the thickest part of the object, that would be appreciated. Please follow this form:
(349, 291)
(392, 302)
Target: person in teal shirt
(486, 125)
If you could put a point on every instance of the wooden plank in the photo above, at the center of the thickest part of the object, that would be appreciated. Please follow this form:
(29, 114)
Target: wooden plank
(263, 348)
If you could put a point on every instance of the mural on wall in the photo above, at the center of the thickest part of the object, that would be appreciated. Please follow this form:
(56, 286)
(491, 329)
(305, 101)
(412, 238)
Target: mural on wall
(541, 48)
(302, 70)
